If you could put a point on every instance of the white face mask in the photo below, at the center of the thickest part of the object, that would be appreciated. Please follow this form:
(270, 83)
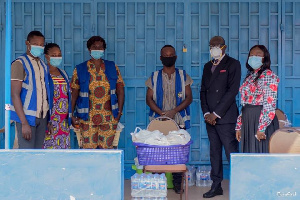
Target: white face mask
(216, 52)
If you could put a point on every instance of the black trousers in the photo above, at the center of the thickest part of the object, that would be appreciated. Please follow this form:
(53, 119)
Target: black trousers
(220, 135)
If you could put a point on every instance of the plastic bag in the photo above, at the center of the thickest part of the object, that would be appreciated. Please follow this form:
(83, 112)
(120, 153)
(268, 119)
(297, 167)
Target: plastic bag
(181, 137)
(178, 137)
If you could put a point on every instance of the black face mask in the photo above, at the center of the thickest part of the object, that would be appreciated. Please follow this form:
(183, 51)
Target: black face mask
(168, 61)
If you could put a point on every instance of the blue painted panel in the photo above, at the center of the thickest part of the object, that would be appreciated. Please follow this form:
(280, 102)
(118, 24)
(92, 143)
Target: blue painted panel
(290, 60)
(62, 174)
(2, 63)
(264, 176)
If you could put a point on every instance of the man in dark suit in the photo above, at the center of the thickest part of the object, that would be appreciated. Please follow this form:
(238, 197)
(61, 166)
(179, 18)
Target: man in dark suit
(220, 85)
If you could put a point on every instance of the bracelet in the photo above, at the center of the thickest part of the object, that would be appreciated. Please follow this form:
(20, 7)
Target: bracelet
(120, 112)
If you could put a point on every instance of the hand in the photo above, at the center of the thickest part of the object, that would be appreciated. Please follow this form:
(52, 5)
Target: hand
(26, 131)
(118, 117)
(75, 122)
(170, 113)
(260, 135)
(50, 129)
(238, 135)
(211, 119)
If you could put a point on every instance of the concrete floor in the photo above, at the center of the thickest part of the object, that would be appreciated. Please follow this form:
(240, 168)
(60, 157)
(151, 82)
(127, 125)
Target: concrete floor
(195, 193)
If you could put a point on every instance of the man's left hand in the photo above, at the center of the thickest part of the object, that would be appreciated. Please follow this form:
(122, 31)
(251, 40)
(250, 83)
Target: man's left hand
(170, 113)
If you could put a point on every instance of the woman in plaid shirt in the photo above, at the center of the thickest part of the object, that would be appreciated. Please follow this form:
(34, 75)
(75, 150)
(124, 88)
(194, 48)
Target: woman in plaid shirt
(257, 121)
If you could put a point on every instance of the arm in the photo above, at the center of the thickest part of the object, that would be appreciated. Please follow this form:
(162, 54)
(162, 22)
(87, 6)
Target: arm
(16, 87)
(121, 97)
(270, 85)
(74, 96)
(233, 85)
(204, 105)
(239, 122)
(150, 102)
(120, 93)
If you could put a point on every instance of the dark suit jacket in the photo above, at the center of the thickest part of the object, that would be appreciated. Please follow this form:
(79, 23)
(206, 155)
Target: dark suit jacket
(219, 89)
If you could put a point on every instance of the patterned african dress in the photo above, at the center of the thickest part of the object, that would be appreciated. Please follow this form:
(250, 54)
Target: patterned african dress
(100, 128)
(60, 139)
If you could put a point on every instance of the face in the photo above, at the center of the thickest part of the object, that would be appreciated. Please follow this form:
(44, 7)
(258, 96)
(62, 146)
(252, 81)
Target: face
(53, 52)
(168, 52)
(257, 52)
(97, 45)
(217, 42)
(35, 40)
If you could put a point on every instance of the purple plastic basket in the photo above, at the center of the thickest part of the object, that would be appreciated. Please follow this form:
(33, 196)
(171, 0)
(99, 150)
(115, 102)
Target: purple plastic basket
(162, 155)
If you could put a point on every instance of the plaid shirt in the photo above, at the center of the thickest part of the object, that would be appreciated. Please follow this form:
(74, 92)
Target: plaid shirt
(262, 92)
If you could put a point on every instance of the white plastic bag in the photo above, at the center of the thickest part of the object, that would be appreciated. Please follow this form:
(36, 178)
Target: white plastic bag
(178, 137)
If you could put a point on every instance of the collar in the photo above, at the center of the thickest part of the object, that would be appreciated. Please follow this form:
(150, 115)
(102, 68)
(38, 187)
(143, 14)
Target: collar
(32, 58)
(219, 60)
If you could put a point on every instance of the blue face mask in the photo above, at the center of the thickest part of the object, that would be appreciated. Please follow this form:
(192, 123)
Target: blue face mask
(36, 51)
(255, 62)
(97, 54)
(55, 61)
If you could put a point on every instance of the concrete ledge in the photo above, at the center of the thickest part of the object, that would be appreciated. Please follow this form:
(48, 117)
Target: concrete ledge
(265, 176)
(61, 174)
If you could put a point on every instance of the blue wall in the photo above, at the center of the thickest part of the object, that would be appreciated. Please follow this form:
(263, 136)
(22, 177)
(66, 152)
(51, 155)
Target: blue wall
(135, 31)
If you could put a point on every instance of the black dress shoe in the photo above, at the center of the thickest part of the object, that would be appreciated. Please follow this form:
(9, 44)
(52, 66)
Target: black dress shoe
(213, 192)
(178, 190)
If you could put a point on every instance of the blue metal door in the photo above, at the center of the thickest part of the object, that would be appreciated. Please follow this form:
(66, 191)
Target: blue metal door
(242, 24)
(135, 31)
(290, 80)
(2, 61)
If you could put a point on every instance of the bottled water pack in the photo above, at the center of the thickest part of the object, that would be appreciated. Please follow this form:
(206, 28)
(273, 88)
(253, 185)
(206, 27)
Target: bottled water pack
(149, 186)
(203, 176)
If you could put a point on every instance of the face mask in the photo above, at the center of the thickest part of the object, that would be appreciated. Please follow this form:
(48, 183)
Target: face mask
(216, 52)
(97, 54)
(168, 61)
(255, 62)
(36, 51)
(55, 61)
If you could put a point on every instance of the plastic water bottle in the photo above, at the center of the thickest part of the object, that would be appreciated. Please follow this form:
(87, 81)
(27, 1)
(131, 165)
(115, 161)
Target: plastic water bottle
(155, 185)
(191, 175)
(135, 185)
(206, 179)
(208, 170)
(162, 185)
(148, 192)
(142, 187)
(203, 176)
(198, 177)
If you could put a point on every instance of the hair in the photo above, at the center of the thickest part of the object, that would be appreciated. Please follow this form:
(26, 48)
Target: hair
(34, 33)
(266, 64)
(49, 46)
(93, 39)
(220, 38)
(167, 45)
